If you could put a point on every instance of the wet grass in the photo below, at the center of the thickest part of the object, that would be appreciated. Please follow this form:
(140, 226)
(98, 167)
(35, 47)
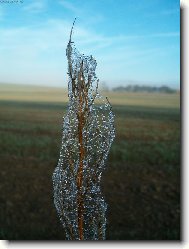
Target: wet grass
(141, 184)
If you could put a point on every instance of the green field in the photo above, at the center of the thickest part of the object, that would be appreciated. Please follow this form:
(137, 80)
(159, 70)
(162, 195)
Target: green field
(141, 184)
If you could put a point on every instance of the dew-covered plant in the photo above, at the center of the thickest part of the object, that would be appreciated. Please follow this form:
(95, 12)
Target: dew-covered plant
(88, 132)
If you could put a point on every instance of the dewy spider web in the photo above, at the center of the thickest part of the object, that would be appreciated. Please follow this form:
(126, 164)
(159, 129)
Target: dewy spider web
(88, 132)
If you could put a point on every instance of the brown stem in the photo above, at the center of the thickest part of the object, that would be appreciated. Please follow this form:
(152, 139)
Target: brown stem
(80, 170)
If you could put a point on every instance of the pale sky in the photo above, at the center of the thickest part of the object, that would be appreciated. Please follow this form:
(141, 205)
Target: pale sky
(133, 41)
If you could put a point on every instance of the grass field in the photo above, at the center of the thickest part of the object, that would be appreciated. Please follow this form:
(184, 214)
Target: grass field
(141, 184)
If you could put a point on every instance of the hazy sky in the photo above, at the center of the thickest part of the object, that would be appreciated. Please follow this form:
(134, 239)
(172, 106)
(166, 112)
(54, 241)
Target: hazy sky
(132, 40)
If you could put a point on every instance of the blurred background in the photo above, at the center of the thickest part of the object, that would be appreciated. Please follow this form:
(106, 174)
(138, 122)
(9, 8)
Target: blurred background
(136, 45)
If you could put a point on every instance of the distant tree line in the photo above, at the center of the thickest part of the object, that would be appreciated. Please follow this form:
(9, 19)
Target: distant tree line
(150, 89)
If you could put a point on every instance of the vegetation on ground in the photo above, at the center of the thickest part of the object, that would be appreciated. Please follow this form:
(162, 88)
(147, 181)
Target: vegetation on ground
(143, 88)
(141, 184)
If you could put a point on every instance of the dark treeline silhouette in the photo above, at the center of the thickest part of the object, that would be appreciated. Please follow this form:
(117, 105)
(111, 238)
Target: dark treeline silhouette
(151, 89)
